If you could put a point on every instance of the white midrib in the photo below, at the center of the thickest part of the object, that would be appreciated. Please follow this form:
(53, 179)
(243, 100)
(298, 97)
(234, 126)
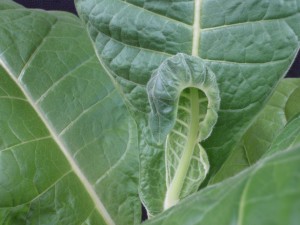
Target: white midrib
(196, 28)
(173, 192)
(89, 188)
(175, 188)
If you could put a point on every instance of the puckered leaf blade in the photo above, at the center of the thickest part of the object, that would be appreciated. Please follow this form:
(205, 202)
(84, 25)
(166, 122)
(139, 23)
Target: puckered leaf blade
(67, 142)
(248, 45)
(184, 100)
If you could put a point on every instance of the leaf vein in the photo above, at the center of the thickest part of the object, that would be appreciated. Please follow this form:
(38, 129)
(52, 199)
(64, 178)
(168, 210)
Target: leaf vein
(72, 123)
(34, 53)
(157, 14)
(25, 142)
(246, 23)
(63, 77)
(130, 45)
(121, 159)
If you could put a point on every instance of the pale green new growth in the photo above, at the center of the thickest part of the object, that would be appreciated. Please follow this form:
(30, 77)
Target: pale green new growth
(184, 100)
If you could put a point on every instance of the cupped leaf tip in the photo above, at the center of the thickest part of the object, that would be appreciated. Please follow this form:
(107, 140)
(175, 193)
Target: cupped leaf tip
(174, 79)
(184, 100)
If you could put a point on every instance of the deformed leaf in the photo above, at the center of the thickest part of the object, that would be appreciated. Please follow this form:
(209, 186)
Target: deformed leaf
(249, 46)
(267, 193)
(172, 87)
(184, 99)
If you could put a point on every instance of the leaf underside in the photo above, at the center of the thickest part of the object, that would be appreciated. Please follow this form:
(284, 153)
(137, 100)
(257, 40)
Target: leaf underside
(240, 199)
(184, 99)
(176, 141)
(269, 188)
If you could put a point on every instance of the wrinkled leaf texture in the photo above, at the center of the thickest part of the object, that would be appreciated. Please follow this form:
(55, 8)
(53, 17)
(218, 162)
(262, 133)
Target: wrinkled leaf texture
(266, 193)
(67, 144)
(249, 45)
(184, 100)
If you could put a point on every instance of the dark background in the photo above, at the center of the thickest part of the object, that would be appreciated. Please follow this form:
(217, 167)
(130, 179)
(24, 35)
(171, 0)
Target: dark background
(62, 5)
(68, 5)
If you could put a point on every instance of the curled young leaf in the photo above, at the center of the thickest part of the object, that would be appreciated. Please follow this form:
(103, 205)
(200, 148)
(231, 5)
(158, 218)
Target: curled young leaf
(184, 99)
(249, 45)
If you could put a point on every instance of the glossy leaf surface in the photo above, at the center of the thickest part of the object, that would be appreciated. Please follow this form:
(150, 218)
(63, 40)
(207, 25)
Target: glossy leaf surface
(67, 144)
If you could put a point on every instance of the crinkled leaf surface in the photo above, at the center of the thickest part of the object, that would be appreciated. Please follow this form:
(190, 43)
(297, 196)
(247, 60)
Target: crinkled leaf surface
(184, 100)
(67, 144)
(282, 106)
(265, 194)
(249, 45)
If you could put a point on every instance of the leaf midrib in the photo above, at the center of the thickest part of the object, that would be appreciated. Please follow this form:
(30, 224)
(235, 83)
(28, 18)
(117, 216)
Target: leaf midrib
(196, 28)
(173, 192)
(88, 187)
(175, 188)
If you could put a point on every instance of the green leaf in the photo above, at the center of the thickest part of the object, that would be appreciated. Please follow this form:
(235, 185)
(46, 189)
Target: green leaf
(259, 137)
(287, 138)
(184, 100)
(249, 46)
(67, 144)
(265, 194)
(292, 106)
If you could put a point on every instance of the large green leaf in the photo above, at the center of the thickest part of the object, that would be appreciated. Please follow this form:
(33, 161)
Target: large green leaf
(288, 138)
(249, 45)
(265, 194)
(282, 106)
(67, 144)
